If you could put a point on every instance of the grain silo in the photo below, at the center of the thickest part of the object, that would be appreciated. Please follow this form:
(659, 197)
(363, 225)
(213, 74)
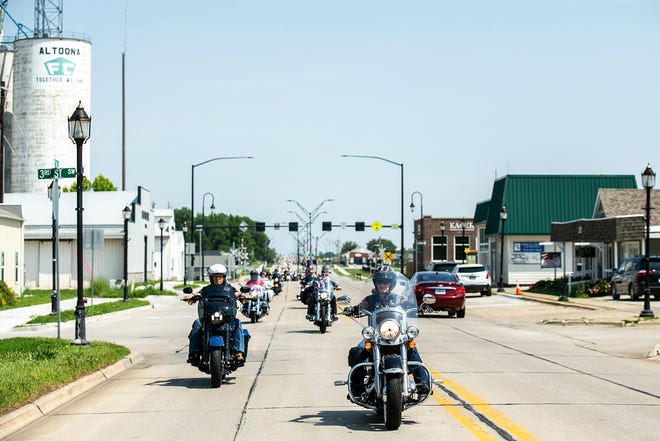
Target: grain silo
(50, 77)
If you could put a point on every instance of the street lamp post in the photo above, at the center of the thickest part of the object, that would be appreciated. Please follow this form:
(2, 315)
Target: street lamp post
(503, 216)
(126, 213)
(421, 227)
(400, 164)
(79, 131)
(161, 225)
(444, 243)
(648, 182)
(192, 197)
(201, 237)
(463, 225)
(184, 229)
(310, 214)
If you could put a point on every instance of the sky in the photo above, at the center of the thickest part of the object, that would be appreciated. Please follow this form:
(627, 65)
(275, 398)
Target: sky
(459, 92)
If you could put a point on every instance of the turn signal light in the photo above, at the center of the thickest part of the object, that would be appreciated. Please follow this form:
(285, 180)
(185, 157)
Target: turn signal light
(368, 346)
(412, 344)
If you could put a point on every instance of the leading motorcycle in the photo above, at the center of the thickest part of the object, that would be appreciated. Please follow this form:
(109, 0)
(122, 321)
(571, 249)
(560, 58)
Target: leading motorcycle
(217, 314)
(323, 292)
(383, 380)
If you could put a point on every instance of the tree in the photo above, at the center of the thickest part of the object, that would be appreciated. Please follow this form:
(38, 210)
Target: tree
(101, 183)
(384, 244)
(74, 187)
(348, 246)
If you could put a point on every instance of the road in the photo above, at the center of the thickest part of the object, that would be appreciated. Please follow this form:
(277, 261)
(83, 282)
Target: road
(506, 377)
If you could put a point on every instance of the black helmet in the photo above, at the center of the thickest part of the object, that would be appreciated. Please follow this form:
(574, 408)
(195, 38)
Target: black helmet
(254, 273)
(384, 275)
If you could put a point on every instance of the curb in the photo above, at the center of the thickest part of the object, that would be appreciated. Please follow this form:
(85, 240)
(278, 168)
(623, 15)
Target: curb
(550, 302)
(44, 405)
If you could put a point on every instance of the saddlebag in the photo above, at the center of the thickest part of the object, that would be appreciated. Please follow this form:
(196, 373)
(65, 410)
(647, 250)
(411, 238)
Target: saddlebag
(352, 356)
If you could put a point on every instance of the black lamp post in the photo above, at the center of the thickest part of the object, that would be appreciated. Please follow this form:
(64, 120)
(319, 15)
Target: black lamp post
(444, 243)
(648, 182)
(503, 216)
(400, 164)
(126, 212)
(184, 228)
(463, 225)
(192, 199)
(79, 130)
(161, 225)
(421, 228)
(201, 237)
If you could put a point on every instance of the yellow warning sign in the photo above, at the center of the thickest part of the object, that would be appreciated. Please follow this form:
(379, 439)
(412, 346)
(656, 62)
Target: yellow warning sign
(376, 226)
(388, 256)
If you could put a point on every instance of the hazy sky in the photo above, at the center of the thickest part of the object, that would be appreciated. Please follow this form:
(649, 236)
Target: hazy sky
(460, 92)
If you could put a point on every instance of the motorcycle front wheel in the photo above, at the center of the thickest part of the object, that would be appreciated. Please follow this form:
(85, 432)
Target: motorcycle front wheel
(253, 317)
(394, 405)
(217, 368)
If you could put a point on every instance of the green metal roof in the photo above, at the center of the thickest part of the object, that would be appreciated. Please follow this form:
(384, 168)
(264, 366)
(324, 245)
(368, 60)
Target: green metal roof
(481, 212)
(533, 202)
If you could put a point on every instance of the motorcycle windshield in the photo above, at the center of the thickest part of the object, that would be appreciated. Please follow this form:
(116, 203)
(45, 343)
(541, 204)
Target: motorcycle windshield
(324, 288)
(398, 302)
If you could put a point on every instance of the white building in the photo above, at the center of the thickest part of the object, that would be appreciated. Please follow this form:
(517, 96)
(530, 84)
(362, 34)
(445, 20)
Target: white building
(11, 247)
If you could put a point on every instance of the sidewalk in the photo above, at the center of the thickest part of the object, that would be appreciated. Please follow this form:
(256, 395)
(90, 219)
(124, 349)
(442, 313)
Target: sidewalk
(596, 310)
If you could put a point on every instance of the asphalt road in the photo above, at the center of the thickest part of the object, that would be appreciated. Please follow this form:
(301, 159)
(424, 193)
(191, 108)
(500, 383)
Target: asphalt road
(506, 376)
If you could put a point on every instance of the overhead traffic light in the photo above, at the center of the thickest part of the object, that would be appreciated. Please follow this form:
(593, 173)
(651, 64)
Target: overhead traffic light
(359, 226)
(261, 226)
(326, 226)
(293, 226)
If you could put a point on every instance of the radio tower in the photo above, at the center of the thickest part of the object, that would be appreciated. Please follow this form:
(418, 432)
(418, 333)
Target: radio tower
(47, 18)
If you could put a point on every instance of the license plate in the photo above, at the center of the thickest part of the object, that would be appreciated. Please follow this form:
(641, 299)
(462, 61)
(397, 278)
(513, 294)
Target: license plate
(440, 290)
(472, 277)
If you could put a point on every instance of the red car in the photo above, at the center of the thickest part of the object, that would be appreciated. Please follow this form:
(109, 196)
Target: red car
(442, 287)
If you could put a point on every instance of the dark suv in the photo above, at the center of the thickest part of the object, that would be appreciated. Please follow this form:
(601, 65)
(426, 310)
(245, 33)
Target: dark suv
(447, 266)
(630, 278)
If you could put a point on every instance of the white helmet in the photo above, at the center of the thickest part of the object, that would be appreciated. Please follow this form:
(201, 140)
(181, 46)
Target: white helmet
(217, 268)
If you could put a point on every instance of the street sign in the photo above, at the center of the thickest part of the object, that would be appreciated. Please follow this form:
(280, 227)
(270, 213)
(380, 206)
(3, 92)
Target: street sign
(376, 226)
(243, 226)
(55, 173)
(388, 256)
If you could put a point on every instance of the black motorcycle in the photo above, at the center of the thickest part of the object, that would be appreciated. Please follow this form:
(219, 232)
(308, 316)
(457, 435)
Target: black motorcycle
(217, 313)
(324, 292)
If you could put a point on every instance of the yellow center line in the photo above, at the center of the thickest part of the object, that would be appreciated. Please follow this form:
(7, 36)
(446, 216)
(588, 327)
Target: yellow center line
(491, 413)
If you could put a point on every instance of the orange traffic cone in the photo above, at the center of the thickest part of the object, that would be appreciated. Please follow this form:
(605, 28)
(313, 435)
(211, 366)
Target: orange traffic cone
(517, 288)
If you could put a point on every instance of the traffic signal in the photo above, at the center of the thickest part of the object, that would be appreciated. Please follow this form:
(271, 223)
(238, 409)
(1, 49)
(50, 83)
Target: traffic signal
(293, 226)
(326, 226)
(359, 226)
(261, 226)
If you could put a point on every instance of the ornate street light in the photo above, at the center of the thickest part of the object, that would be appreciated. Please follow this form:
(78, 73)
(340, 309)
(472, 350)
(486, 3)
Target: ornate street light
(310, 214)
(126, 213)
(463, 226)
(444, 243)
(648, 182)
(184, 229)
(161, 225)
(79, 131)
(421, 227)
(503, 216)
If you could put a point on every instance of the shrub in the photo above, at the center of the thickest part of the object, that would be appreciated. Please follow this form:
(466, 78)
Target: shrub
(7, 295)
(101, 287)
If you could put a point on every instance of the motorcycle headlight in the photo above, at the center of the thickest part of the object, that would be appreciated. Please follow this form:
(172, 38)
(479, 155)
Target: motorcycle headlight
(368, 332)
(389, 329)
(216, 318)
(412, 332)
(323, 295)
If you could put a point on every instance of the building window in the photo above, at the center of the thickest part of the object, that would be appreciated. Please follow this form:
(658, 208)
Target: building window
(439, 249)
(2, 265)
(461, 243)
(16, 268)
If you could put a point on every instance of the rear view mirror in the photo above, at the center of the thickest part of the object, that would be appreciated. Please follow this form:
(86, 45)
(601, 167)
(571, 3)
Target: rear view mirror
(187, 290)
(428, 299)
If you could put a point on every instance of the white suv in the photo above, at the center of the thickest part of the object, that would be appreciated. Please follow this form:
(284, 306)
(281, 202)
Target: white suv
(474, 277)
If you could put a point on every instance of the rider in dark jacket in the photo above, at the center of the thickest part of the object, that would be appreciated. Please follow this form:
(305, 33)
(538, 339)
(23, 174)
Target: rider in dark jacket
(382, 295)
(311, 302)
(217, 274)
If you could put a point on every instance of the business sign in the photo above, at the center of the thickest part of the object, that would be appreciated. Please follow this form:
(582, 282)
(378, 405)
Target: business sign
(551, 260)
(63, 63)
(528, 247)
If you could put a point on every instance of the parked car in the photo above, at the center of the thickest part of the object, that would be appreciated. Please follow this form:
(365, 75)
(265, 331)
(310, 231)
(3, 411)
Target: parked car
(629, 278)
(474, 277)
(441, 266)
(444, 286)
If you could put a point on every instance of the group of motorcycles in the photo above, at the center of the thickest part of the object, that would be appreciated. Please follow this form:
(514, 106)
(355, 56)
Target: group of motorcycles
(382, 381)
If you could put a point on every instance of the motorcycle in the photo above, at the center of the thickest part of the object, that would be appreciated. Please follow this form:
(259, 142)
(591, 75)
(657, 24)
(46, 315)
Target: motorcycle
(323, 293)
(217, 315)
(306, 290)
(383, 382)
(277, 286)
(255, 302)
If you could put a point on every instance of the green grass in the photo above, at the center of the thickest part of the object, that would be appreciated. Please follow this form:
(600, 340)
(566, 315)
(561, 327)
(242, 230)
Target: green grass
(357, 273)
(99, 309)
(33, 366)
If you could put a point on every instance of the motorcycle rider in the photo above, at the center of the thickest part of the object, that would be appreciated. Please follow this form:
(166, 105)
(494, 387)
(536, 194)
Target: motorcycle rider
(306, 283)
(255, 279)
(318, 283)
(383, 294)
(218, 275)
